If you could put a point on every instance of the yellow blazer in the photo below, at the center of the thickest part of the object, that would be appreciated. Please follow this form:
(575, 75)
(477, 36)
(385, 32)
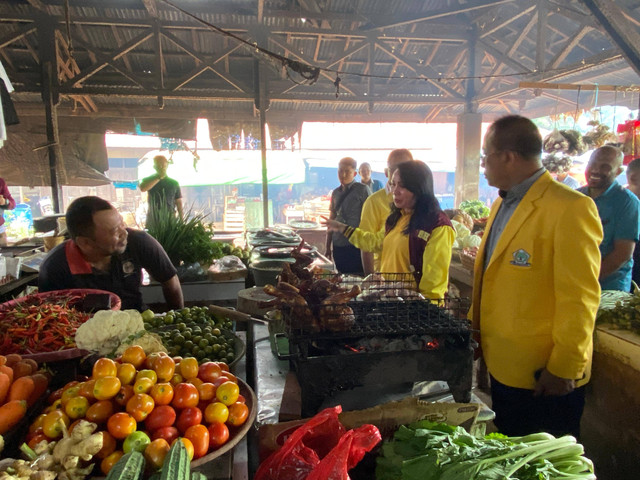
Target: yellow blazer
(536, 302)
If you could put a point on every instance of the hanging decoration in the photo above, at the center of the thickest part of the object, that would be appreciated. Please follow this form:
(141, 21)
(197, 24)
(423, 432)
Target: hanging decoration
(629, 137)
(599, 134)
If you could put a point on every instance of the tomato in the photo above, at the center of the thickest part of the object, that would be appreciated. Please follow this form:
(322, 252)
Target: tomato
(106, 387)
(196, 382)
(168, 433)
(55, 395)
(76, 407)
(230, 376)
(209, 371)
(187, 444)
(177, 359)
(108, 445)
(121, 424)
(189, 368)
(219, 381)
(139, 406)
(110, 460)
(216, 412)
(165, 368)
(126, 373)
(86, 389)
(52, 424)
(206, 391)
(185, 395)
(105, 367)
(151, 360)
(241, 399)
(162, 393)
(57, 405)
(134, 355)
(156, 451)
(123, 395)
(136, 441)
(176, 379)
(70, 384)
(188, 417)
(147, 373)
(218, 434)
(238, 414)
(100, 411)
(161, 416)
(228, 393)
(68, 394)
(223, 366)
(36, 439)
(37, 423)
(199, 436)
(143, 385)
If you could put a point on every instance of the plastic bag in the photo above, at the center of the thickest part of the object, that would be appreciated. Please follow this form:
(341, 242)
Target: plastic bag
(346, 455)
(320, 450)
(228, 263)
(302, 451)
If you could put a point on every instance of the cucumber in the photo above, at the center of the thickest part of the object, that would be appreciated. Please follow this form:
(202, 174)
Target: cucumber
(129, 467)
(198, 476)
(177, 465)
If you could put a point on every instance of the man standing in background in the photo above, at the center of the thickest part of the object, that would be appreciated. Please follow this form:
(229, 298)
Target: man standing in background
(619, 211)
(164, 192)
(377, 208)
(365, 178)
(633, 185)
(6, 203)
(346, 207)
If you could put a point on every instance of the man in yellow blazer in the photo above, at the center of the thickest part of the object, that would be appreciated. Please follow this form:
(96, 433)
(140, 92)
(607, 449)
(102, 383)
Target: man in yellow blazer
(536, 289)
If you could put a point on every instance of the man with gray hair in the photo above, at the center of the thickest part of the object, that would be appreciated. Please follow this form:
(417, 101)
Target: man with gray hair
(619, 211)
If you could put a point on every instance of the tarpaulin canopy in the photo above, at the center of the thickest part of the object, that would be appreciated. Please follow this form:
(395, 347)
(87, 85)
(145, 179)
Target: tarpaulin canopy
(24, 160)
(229, 167)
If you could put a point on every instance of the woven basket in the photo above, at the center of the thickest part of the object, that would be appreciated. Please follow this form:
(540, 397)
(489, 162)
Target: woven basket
(467, 260)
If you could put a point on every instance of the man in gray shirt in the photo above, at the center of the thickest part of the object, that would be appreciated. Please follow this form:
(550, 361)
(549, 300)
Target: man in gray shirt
(346, 207)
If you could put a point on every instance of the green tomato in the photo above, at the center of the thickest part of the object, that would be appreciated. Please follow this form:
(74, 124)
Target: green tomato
(136, 441)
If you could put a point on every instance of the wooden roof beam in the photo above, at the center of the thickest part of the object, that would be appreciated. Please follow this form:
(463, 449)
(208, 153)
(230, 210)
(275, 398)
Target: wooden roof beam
(13, 37)
(501, 23)
(570, 45)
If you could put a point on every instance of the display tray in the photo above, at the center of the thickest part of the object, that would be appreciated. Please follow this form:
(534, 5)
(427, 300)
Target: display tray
(237, 434)
(72, 297)
(59, 356)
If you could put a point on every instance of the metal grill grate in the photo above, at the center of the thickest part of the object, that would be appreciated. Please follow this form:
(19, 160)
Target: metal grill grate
(417, 317)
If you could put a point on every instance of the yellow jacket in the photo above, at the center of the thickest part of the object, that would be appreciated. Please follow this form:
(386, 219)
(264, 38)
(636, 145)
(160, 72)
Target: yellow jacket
(535, 304)
(375, 211)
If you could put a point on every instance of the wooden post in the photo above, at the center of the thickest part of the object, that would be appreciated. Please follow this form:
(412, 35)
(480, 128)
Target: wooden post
(48, 62)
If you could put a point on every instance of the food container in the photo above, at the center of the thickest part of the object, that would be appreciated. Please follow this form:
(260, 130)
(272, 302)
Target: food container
(202, 464)
(266, 272)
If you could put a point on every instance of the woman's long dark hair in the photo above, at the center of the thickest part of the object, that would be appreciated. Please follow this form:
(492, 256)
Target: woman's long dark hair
(416, 177)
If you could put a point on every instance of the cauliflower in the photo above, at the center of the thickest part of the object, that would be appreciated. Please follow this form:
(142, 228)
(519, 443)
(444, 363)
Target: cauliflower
(150, 343)
(471, 241)
(104, 332)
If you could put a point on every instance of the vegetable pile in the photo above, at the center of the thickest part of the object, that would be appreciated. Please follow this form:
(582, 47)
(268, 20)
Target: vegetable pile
(143, 403)
(475, 208)
(428, 451)
(21, 385)
(195, 332)
(37, 326)
(620, 309)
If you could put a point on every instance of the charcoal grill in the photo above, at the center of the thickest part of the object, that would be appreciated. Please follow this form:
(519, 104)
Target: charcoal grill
(328, 362)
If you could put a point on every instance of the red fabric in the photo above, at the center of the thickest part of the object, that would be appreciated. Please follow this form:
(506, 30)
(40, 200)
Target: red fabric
(77, 263)
(4, 192)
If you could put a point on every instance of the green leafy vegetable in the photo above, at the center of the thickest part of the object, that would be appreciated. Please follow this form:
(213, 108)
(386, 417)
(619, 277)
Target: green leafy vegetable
(435, 451)
(475, 208)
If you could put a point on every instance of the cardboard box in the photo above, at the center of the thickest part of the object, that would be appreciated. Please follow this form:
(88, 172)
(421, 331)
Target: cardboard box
(387, 417)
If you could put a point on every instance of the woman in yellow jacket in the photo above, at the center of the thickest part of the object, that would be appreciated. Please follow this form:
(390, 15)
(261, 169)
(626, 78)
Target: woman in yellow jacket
(418, 236)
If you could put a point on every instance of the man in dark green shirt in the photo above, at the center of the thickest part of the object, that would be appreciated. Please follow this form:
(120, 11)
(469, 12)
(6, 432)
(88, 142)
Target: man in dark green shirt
(164, 192)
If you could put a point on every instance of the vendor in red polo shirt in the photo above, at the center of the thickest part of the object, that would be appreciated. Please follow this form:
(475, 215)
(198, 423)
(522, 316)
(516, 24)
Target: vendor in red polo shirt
(104, 254)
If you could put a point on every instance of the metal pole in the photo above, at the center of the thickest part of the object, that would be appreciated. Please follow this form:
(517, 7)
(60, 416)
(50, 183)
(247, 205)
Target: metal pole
(265, 179)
